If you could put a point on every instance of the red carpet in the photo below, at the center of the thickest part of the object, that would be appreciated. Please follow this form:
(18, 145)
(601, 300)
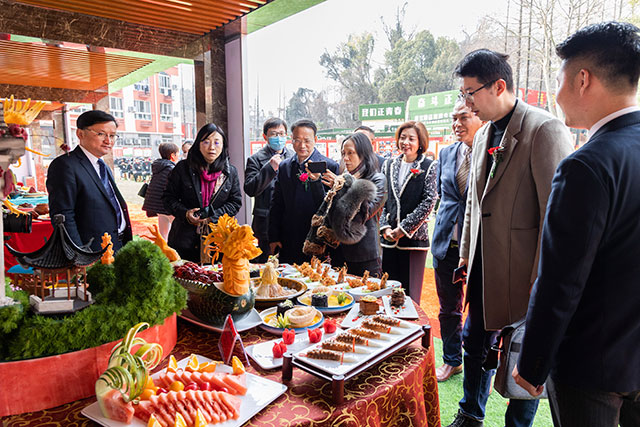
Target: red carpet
(428, 302)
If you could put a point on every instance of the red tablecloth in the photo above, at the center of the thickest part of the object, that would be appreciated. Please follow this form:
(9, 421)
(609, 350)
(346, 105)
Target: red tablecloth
(400, 391)
(26, 242)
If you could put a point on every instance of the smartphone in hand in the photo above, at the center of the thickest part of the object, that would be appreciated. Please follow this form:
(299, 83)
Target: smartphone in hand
(317, 167)
(459, 275)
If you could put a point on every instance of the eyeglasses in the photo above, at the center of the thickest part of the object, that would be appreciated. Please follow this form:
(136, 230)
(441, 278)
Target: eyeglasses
(301, 141)
(468, 96)
(113, 137)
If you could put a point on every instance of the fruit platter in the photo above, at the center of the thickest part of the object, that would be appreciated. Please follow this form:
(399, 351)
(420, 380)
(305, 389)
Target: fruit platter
(286, 315)
(327, 300)
(194, 392)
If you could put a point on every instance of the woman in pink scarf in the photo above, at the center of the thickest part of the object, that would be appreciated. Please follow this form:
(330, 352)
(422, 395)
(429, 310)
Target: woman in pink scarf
(202, 187)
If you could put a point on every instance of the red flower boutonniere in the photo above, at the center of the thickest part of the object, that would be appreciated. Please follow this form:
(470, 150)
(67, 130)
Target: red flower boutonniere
(304, 178)
(496, 155)
(415, 172)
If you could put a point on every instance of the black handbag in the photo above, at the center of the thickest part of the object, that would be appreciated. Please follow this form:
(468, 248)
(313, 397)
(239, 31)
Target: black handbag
(505, 353)
(143, 190)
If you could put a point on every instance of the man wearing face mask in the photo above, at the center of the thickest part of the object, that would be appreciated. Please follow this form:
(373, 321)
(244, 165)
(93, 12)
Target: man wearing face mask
(260, 174)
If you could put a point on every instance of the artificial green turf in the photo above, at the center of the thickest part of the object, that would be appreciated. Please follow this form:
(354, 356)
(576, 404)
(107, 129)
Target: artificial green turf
(450, 393)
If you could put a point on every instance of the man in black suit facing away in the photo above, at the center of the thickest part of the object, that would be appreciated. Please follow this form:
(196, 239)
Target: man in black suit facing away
(583, 320)
(81, 186)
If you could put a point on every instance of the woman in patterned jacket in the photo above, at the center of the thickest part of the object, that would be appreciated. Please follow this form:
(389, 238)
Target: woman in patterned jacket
(411, 181)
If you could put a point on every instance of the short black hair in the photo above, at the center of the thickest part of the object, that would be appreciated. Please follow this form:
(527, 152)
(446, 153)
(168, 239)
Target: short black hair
(486, 66)
(91, 117)
(273, 122)
(166, 149)
(196, 159)
(364, 128)
(368, 160)
(611, 50)
(305, 123)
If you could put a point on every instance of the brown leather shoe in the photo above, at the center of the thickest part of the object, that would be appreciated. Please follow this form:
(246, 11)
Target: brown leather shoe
(445, 372)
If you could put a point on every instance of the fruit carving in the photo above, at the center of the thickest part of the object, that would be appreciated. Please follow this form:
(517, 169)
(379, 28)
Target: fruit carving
(107, 257)
(238, 245)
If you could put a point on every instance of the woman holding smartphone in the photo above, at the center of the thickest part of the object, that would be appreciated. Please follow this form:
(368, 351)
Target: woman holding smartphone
(411, 183)
(355, 211)
(200, 189)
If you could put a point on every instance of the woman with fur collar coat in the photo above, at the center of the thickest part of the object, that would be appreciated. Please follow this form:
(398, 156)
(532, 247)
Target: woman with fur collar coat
(348, 219)
(411, 183)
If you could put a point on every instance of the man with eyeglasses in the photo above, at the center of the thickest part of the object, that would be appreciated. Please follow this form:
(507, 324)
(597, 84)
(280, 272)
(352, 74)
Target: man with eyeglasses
(295, 200)
(260, 176)
(513, 162)
(81, 186)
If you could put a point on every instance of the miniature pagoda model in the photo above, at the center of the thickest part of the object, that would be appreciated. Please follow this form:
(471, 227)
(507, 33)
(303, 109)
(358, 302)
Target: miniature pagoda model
(59, 264)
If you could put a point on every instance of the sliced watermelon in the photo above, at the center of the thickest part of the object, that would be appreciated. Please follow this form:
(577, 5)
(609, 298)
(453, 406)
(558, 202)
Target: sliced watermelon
(114, 407)
(237, 383)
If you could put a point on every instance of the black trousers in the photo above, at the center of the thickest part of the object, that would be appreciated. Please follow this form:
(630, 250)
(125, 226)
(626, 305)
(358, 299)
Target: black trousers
(407, 267)
(579, 407)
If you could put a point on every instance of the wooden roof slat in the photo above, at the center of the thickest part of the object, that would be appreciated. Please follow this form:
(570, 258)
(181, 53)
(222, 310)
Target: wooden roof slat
(193, 17)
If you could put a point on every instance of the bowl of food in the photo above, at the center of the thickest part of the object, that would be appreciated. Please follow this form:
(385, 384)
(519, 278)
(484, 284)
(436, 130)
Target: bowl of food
(298, 317)
(271, 289)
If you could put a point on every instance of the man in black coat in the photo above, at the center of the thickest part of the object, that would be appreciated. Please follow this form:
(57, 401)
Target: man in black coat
(293, 203)
(81, 186)
(260, 175)
(583, 321)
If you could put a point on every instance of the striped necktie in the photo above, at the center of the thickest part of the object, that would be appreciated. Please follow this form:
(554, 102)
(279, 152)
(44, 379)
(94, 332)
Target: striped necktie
(463, 171)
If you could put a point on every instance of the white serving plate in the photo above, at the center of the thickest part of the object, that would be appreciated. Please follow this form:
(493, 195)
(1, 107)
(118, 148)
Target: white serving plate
(363, 291)
(262, 354)
(260, 393)
(330, 309)
(406, 311)
(354, 317)
(252, 320)
(332, 367)
(278, 331)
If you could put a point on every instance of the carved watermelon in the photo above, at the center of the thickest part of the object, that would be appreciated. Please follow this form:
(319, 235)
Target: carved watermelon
(211, 304)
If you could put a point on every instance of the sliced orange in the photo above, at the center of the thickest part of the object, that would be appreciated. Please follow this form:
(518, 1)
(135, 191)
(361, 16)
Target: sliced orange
(173, 364)
(200, 420)
(153, 422)
(192, 365)
(208, 366)
(149, 383)
(238, 367)
(147, 393)
(180, 422)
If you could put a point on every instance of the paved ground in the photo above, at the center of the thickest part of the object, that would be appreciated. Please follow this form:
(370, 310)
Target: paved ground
(129, 190)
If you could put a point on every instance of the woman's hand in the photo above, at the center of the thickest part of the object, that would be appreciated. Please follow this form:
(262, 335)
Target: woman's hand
(328, 178)
(192, 219)
(392, 235)
(312, 176)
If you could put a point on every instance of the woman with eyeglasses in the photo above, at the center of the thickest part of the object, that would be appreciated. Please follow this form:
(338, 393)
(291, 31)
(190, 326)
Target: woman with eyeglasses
(351, 210)
(411, 184)
(200, 189)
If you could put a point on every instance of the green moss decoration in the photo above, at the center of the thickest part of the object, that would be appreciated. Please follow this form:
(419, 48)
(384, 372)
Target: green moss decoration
(11, 316)
(138, 287)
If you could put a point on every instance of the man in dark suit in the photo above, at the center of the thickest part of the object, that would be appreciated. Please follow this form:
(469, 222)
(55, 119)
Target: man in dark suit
(260, 175)
(81, 186)
(293, 202)
(583, 322)
(454, 162)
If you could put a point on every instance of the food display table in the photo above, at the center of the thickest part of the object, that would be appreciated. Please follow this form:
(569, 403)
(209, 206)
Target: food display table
(399, 391)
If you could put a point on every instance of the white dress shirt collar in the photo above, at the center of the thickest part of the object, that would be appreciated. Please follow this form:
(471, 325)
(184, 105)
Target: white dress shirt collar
(603, 121)
(93, 159)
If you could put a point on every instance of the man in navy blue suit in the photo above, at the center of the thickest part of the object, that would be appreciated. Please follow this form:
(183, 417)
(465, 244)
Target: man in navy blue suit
(454, 163)
(293, 202)
(583, 320)
(81, 186)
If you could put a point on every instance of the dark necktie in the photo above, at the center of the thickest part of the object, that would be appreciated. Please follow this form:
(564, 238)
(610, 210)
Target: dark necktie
(104, 177)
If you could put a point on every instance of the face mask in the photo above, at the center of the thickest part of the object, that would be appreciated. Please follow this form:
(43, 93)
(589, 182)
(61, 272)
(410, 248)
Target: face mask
(277, 142)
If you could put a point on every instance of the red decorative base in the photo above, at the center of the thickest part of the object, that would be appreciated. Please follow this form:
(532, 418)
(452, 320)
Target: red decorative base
(47, 382)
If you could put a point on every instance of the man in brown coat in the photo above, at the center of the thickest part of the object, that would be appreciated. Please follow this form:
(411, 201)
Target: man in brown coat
(514, 159)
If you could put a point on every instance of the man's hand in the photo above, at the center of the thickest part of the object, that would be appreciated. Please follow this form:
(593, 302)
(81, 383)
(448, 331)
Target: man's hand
(328, 178)
(532, 390)
(275, 161)
(463, 261)
(273, 246)
(194, 220)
